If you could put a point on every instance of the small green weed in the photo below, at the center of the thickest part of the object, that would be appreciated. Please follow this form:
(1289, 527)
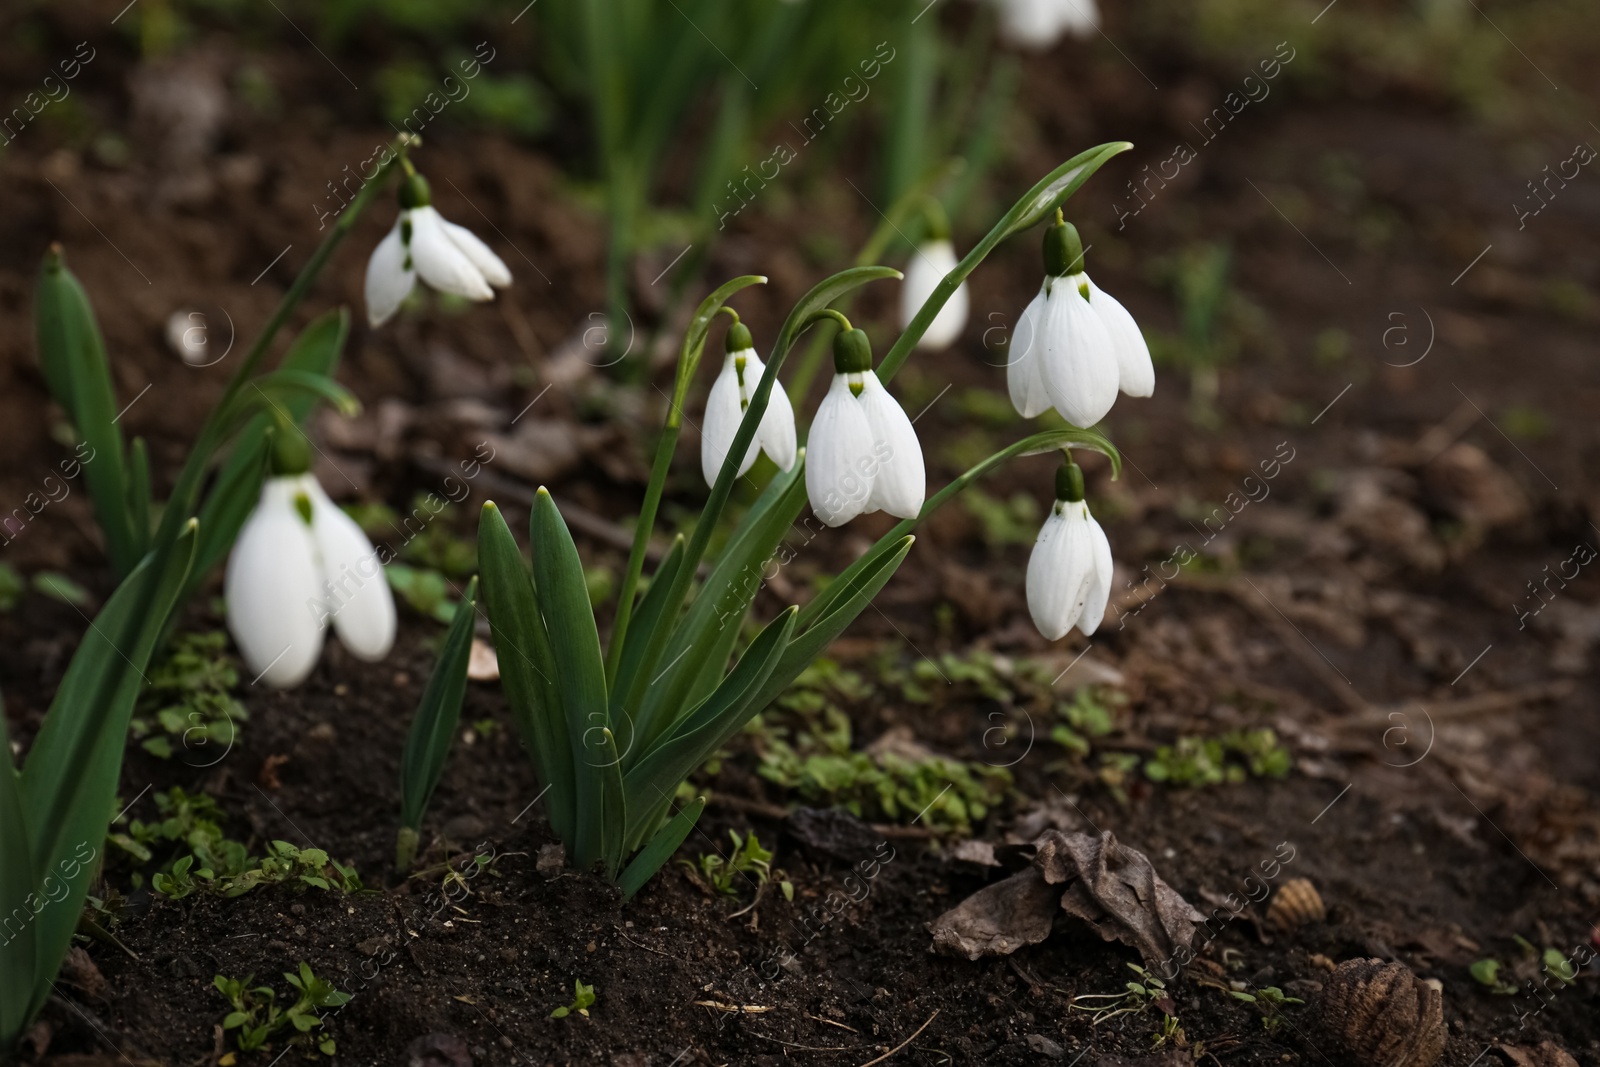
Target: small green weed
(256, 1016)
(748, 861)
(581, 1002)
(1271, 1001)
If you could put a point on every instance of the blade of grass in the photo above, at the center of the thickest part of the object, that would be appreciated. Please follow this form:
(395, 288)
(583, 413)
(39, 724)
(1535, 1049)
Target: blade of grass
(661, 847)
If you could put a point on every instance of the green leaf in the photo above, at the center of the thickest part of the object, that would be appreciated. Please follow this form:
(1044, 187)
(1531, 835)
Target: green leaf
(661, 847)
(275, 390)
(858, 590)
(703, 640)
(653, 781)
(69, 782)
(58, 586)
(580, 670)
(17, 884)
(139, 494)
(651, 610)
(73, 359)
(238, 485)
(527, 667)
(614, 804)
(433, 729)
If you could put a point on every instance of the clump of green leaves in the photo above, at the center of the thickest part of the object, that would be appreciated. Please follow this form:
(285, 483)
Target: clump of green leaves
(1550, 963)
(748, 861)
(1270, 1000)
(1139, 996)
(581, 1001)
(193, 854)
(190, 698)
(256, 1016)
(1228, 759)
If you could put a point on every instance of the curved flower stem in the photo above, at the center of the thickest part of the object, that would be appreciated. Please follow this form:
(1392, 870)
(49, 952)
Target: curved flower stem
(215, 430)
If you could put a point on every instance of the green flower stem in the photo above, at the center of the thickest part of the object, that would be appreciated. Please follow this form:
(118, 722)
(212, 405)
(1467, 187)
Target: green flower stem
(186, 491)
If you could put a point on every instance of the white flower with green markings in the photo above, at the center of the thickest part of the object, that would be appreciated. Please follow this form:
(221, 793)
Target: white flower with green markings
(1069, 572)
(424, 245)
(726, 404)
(300, 563)
(1075, 346)
(863, 454)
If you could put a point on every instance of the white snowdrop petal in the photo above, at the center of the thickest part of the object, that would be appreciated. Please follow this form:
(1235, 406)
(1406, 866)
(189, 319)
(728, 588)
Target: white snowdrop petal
(389, 280)
(273, 590)
(723, 415)
(1079, 364)
(1136, 375)
(1099, 590)
(927, 269)
(900, 480)
(839, 464)
(491, 266)
(1081, 18)
(1060, 571)
(1030, 24)
(355, 588)
(439, 262)
(777, 434)
(1024, 365)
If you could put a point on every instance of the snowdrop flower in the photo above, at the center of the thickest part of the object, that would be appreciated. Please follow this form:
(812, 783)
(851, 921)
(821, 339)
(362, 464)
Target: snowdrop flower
(1038, 24)
(726, 404)
(862, 455)
(299, 563)
(1069, 572)
(448, 257)
(929, 264)
(1075, 345)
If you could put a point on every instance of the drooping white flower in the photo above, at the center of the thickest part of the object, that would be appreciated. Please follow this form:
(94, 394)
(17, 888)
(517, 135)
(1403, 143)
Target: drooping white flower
(300, 563)
(1069, 572)
(725, 407)
(1075, 345)
(863, 454)
(448, 257)
(928, 266)
(1038, 24)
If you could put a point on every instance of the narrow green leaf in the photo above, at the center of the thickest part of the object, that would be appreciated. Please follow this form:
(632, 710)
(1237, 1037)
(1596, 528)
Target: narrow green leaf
(433, 729)
(651, 610)
(652, 782)
(660, 848)
(527, 667)
(139, 494)
(580, 670)
(704, 639)
(694, 339)
(17, 884)
(70, 780)
(614, 805)
(73, 358)
(807, 646)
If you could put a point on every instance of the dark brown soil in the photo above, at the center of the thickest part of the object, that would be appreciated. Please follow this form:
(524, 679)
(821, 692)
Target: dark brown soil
(1443, 795)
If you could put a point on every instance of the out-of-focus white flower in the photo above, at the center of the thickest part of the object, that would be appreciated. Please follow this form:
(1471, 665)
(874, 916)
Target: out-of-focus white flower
(725, 407)
(863, 454)
(928, 266)
(187, 335)
(1038, 24)
(1069, 572)
(298, 564)
(448, 257)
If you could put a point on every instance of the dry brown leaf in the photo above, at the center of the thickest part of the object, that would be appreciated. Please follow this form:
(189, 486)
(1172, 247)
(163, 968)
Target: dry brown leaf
(998, 919)
(1116, 890)
(1545, 1054)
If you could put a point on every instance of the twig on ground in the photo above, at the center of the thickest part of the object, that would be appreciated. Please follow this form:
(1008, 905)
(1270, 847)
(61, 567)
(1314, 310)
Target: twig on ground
(904, 1043)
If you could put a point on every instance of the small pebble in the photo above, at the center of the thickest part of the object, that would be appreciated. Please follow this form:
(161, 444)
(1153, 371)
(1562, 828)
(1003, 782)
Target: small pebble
(1045, 1047)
